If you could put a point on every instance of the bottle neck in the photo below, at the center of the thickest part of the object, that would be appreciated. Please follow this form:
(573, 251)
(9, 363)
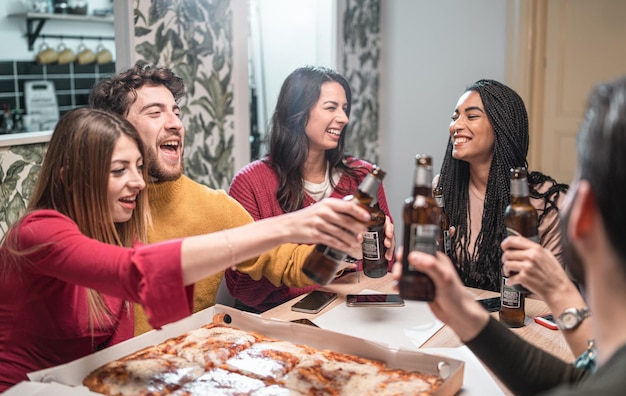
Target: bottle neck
(369, 187)
(519, 188)
(423, 180)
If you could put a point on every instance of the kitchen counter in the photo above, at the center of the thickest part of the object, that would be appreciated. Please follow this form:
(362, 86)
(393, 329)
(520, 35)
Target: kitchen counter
(21, 138)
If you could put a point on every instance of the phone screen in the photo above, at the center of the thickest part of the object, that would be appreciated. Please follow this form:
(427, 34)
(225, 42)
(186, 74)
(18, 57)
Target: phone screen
(491, 304)
(389, 300)
(314, 302)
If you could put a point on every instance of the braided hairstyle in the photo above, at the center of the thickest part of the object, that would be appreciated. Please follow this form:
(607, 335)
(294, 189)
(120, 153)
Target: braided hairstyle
(507, 114)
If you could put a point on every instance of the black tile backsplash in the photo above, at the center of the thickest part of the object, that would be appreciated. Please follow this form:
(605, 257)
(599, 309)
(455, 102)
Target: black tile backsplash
(72, 82)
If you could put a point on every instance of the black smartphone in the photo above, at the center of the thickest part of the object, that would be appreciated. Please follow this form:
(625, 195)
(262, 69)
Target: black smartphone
(314, 302)
(368, 300)
(491, 304)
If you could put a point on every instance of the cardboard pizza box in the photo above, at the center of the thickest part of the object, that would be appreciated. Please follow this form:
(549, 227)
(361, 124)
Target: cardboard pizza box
(72, 373)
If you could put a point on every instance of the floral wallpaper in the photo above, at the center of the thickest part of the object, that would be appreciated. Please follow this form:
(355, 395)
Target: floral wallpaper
(361, 66)
(194, 38)
(19, 167)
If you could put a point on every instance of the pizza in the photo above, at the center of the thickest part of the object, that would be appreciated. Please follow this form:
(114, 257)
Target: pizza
(219, 359)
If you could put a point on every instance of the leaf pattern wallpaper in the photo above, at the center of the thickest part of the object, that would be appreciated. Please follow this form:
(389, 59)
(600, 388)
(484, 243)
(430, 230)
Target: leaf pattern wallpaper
(361, 67)
(19, 167)
(194, 38)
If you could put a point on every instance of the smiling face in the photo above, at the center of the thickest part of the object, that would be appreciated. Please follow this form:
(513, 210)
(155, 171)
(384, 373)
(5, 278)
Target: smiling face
(156, 116)
(472, 134)
(125, 179)
(327, 117)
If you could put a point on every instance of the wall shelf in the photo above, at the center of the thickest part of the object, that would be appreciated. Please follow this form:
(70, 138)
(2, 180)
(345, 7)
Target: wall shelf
(35, 22)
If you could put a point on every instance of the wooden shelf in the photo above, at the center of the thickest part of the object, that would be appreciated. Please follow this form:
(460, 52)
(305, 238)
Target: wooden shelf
(36, 20)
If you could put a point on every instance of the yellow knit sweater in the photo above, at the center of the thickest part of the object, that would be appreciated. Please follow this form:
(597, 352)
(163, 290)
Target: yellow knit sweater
(183, 208)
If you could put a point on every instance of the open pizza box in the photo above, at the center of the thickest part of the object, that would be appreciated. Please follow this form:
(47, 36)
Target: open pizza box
(72, 374)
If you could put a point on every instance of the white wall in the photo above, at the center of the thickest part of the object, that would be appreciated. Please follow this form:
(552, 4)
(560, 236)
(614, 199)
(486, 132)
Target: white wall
(285, 35)
(431, 50)
(13, 42)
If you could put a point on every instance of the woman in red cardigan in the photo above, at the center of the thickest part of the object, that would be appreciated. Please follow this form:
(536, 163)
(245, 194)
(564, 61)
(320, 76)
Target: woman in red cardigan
(306, 163)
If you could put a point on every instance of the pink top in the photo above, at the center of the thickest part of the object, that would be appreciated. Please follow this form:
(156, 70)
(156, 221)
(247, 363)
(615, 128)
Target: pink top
(255, 188)
(43, 306)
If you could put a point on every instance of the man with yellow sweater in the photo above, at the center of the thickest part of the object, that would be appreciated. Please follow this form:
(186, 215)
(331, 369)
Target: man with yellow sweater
(181, 207)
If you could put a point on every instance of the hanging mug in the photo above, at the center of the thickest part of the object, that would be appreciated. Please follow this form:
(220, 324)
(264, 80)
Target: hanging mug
(85, 55)
(46, 55)
(103, 55)
(66, 55)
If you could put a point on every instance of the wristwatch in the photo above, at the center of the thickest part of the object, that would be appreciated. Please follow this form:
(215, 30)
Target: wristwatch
(571, 318)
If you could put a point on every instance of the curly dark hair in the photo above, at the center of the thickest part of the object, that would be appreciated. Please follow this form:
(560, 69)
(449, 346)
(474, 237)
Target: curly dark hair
(116, 94)
(288, 143)
(506, 112)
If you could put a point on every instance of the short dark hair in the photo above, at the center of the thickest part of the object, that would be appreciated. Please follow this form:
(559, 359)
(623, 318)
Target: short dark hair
(117, 93)
(601, 158)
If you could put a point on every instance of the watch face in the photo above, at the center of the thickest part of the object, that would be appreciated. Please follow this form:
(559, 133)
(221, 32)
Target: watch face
(569, 319)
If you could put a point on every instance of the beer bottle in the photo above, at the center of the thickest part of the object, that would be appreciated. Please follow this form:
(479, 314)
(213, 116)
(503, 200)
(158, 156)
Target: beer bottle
(520, 217)
(375, 265)
(445, 244)
(422, 226)
(324, 262)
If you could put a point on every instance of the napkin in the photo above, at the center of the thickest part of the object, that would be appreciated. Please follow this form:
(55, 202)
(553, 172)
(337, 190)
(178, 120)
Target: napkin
(409, 326)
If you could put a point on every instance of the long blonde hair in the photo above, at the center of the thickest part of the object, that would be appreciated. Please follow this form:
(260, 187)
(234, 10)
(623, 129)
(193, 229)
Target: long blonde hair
(73, 181)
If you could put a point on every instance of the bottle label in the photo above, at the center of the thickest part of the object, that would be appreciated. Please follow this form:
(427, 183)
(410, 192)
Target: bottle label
(510, 298)
(423, 238)
(512, 232)
(334, 254)
(370, 245)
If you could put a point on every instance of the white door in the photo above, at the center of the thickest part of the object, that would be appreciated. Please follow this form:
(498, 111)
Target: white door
(585, 43)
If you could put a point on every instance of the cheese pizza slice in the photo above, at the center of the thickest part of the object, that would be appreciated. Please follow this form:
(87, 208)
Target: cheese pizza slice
(146, 372)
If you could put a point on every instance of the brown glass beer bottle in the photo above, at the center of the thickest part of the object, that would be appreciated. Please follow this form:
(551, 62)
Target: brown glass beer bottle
(422, 226)
(324, 262)
(375, 265)
(444, 244)
(520, 217)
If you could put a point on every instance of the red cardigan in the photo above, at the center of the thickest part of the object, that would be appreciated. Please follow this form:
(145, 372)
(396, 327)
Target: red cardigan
(255, 188)
(43, 303)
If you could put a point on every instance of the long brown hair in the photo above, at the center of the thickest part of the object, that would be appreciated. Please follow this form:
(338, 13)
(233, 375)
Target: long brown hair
(73, 181)
(288, 143)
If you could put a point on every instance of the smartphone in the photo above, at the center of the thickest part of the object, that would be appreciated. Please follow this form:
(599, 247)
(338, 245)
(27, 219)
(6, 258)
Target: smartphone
(368, 300)
(304, 321)
(491, 304)
(314, 302)
(547, 321)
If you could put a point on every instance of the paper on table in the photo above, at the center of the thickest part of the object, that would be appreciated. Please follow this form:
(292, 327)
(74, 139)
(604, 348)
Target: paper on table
(476, 379)
(409, 326)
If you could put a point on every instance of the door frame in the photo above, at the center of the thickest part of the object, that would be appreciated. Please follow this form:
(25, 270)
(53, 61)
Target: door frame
(525, 65)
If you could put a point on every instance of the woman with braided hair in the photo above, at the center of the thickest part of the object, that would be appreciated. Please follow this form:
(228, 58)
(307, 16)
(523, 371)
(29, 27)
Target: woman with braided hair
(488, 137)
